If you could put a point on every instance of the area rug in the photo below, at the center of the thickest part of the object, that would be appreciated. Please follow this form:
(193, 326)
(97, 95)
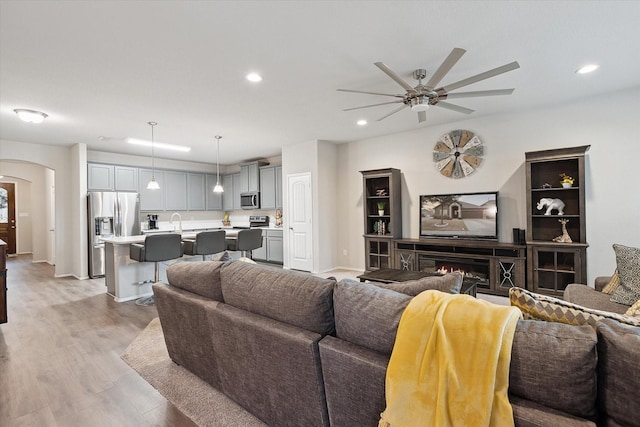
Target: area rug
(199, 401)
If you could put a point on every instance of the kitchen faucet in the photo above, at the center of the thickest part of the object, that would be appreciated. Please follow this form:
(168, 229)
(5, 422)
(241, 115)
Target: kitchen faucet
(179, 219)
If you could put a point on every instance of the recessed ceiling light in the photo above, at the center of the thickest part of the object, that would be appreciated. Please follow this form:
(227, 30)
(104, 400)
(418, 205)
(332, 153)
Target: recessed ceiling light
(30, 116)
(585, 69)
(361, 122)
(254, 77)
(162, 145)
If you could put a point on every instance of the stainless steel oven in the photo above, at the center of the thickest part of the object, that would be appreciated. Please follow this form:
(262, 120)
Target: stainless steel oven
(250, 200)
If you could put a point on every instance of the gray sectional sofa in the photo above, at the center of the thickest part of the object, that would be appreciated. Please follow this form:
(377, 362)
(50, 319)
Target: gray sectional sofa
(297, 350)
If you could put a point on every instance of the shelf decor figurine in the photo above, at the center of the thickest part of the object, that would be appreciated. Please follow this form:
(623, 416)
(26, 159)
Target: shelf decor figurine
(381, 192)
(566, 181)
(380, 208)
(551, 204)
(564, 238)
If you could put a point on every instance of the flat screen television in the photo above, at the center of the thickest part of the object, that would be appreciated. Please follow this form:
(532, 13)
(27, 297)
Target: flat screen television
(463, 216)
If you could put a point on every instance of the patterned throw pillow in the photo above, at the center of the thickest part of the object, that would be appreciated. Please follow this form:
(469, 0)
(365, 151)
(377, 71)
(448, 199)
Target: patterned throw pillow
(628, 262)
(542, 307)
(612, 284)
(634, 310)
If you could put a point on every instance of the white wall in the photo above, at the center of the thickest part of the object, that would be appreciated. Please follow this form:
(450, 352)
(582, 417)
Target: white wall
(58, 159)
(609, 124)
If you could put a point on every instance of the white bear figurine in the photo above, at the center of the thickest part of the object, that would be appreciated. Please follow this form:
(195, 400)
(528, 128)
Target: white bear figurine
(551, 204)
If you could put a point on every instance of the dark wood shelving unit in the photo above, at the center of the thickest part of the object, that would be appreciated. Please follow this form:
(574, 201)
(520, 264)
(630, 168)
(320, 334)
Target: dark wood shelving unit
(551, 265)
(381, 186)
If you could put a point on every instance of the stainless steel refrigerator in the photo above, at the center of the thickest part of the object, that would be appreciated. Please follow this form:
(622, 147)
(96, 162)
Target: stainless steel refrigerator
(109, 214)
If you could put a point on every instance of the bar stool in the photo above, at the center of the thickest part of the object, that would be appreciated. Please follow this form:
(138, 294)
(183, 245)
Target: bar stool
(156, 248)
(246, 241)
(205, 243)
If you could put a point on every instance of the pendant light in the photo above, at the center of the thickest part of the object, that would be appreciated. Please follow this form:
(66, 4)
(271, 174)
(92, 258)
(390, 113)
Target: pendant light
(218, 188)
(153, 184)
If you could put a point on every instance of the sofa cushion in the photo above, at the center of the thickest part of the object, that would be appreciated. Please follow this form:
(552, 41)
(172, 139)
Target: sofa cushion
(543, 307)
(634, 310)
(619, 371)
(586, 296)
(529, 414)
(368, 315)
(612, 284)
(628, 263)
(449, 283)
(298, 299)
(554, 365)
(200, 277)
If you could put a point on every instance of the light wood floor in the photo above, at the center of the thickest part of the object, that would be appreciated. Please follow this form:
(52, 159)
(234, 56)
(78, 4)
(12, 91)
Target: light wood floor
(60, 355)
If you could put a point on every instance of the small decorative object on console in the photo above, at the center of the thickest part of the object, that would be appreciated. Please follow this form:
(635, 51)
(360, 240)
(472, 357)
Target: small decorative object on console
(551, 204)
(564, 238)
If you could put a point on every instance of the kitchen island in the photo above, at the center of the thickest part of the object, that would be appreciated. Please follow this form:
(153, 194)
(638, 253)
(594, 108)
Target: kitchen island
(122, 273)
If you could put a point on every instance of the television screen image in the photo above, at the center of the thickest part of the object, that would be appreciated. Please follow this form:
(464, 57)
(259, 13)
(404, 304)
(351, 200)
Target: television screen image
(467, 216)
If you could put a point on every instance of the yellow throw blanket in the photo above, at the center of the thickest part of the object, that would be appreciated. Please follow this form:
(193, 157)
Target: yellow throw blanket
(450, 363)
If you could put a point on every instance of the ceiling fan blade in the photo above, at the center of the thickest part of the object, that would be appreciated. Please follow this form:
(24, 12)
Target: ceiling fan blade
(372, 105)
(395, 76)
(369, 93)
(393, 112)
(445, 67)
(482, 76)
(422, 116)
(454, 107)
(495, 92)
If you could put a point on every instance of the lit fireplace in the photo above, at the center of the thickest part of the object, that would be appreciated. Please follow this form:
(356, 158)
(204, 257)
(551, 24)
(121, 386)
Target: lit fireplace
(472, 268)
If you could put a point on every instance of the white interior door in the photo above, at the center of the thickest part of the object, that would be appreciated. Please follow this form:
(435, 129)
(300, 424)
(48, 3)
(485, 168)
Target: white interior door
(299, 215)
(51, 221)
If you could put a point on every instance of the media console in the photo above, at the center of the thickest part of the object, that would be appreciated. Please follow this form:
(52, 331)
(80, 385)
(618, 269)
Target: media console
(496, 267)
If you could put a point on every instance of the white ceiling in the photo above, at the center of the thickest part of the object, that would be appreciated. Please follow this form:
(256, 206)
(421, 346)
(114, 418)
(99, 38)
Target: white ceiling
(106, 68)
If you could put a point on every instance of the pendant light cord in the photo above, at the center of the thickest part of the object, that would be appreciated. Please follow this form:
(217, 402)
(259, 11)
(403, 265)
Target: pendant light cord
(218, 137)
(153, 157)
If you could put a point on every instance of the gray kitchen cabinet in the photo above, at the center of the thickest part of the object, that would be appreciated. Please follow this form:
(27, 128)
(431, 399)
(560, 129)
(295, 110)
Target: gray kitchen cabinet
(175, 190)
(274, 246)
(267, 187)
(279, 187)
(250, 176)
(196, 192)
(213, 200)
(227, 196)
(126, 178)
(236, 191)
(150, 200)
(100, 177)
(271, 250)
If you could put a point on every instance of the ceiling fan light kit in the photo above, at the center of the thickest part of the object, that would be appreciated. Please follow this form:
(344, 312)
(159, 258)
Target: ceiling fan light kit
(424, 95)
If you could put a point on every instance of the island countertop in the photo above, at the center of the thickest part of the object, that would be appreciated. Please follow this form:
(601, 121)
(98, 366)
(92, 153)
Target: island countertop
(229, 233)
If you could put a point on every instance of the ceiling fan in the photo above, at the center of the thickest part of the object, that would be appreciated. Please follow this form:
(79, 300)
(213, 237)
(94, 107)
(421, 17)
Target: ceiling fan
(422, 96)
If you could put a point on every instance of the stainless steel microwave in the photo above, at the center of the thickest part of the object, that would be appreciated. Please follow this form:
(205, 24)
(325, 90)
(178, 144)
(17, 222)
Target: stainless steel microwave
(250, 200)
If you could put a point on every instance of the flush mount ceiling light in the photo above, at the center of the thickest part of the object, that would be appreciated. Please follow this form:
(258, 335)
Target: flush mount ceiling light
(361, 122)
(153, 184)
(218, 188)
(162, 145)
(586, 69)
(254, 77)
(30, 116)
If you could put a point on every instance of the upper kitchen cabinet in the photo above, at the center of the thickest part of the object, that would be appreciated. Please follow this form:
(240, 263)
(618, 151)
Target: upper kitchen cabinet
(271, 187)
(175, 190)
(249, 176)
(227, 196)
(151, 200)
(237, 177)
(126, 178)
(195, 191)
(213, 200)
(100, 177)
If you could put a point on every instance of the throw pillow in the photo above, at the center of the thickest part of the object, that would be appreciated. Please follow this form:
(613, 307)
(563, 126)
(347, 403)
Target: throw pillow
(612, 284)
(628, 262)
(543, 307)
(450, 283)
(634, 310)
